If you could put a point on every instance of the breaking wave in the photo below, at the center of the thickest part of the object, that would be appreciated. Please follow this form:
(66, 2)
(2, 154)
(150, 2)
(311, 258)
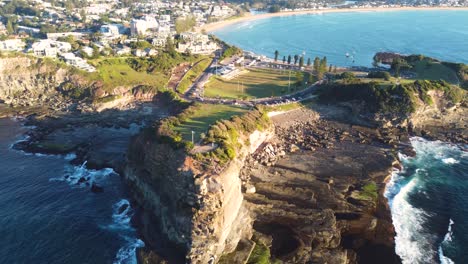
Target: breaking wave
(411, 193)
(121, 218)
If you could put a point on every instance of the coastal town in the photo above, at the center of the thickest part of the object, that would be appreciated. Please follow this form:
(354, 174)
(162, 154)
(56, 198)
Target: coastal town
(133, 131)
(75, 31)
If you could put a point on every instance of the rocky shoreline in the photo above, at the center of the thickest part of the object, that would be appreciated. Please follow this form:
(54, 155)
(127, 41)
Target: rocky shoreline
(311, 178)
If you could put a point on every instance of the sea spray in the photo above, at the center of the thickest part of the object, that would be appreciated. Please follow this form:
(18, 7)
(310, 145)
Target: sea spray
(121, 217)
(446, 242)
(420, 198)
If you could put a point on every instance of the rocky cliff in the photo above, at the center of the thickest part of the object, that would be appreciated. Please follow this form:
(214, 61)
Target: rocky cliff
(202, 213)
(33, 82)
(442, 119)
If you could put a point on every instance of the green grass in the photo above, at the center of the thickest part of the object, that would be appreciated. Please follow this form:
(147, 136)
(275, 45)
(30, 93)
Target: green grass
(256, 83)
(204, 117)
(369, 192)
(114, 72)
(260, 255)
(427, 70)
(193, 74)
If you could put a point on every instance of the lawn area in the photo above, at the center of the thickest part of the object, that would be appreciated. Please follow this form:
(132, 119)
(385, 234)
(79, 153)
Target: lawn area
(256, 83)
(115, 72)
(426, 70)
(204, 117)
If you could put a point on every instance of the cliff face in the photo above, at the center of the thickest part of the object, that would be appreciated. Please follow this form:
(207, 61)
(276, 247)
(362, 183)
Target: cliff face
(201, 213)
(441, 120)
(28, 81)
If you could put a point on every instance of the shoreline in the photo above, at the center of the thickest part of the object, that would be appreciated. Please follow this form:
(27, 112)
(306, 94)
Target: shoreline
(211, 27)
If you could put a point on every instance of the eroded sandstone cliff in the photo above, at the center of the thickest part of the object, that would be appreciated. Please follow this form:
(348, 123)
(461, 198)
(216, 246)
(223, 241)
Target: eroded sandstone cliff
(202, 213)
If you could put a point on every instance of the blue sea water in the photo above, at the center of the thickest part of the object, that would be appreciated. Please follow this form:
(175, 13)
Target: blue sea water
(46, 217)
(441, 34)
(429, 204)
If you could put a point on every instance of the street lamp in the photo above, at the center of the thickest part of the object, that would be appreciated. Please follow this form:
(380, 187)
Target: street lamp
(193, 133)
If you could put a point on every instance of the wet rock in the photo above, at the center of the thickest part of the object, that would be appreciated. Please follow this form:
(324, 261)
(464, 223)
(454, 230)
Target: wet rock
(96, 188)
(81, 180)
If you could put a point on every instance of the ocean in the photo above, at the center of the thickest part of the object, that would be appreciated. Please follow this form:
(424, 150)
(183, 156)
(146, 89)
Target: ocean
(440, 34)
(429, 204)
(47, 217)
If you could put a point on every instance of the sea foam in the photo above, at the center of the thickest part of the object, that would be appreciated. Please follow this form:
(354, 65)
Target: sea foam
(450, 161)
(447, 239)
(121, 217)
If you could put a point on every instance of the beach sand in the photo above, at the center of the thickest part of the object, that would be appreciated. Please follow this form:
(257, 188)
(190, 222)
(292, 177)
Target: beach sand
(248, 17)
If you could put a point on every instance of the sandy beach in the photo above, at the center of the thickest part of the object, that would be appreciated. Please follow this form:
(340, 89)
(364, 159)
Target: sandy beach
(248, 17)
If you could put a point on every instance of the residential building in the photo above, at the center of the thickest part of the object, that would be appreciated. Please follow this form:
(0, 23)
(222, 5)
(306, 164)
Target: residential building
(12, 45)
(50, 48)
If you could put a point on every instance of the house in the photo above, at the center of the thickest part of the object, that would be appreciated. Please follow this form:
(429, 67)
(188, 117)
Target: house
(12, 45)
(55, 36)
(28, 30)
(77, 62)
(140, 27)
(159, 41)
(123, 51)
(88, 51)
(198, 47)
(164, 19)
(110, 31)
(193, 36)
(50, 48)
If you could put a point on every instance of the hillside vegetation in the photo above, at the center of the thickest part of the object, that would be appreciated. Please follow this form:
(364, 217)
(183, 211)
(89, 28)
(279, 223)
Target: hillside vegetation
(389, 98)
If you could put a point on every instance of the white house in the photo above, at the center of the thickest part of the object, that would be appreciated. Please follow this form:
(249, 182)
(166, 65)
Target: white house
(12, 45)
(50, 48)
(141, 26)
(110, 31)
(77, 62)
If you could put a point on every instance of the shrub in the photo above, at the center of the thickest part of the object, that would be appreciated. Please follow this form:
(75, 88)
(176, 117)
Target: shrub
(380, 75)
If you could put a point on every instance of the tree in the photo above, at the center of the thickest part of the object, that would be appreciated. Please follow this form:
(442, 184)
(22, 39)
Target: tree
(301, 62)
(9, 27)
(296, 58)
(289, 59)
(323, 65)
(185, 24)
(330, 68)
(274, 9)
(276, 55)
(170, 45)
(309, 62)
(316, 65)
(284, 59)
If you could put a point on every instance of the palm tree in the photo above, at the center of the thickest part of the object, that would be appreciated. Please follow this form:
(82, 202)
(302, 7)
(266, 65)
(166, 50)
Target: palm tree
(289, 59)
(276, 55)
(308, 62)
(296, 58)
(284, 59)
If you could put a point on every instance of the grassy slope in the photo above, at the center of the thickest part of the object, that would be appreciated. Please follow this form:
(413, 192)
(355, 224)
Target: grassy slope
(193, 74)
(257, 83)
(115, 72)
(427, 70)
(205, 116)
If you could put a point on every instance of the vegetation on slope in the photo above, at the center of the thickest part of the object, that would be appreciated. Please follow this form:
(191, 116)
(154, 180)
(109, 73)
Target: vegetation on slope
(193, 74)
(226, 134)
(389, 98)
